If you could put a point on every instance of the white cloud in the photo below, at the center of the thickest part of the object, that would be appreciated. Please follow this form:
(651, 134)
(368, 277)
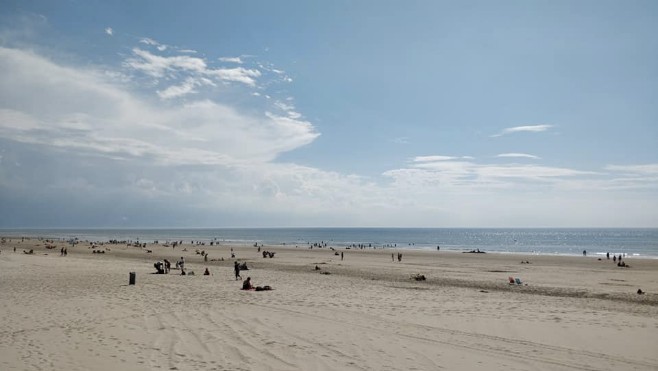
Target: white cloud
(648, 169)
(41, 100)
(231, 60)
(159, 66)
(108, 146)
(465, 174)
(528, 128)
(433, 158)
(187, 87)
(157, 45)
(239, 74)
(518, 155)
(109, 31)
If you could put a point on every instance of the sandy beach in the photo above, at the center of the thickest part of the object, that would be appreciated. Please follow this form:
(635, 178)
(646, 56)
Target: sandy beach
(366, 312)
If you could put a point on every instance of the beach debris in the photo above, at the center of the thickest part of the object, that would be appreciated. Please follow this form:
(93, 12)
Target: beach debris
(419, 277)
(325, 272)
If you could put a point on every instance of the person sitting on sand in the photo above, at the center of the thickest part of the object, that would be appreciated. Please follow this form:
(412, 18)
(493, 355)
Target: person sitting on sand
(206, 273)
(246, 285)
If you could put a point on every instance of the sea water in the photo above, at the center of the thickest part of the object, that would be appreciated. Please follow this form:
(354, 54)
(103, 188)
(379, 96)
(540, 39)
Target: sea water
(631, 241)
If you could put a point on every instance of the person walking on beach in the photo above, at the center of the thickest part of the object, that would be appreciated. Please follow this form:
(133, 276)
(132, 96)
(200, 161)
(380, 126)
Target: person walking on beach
(236, 267)
(341, 255)
(393, 257)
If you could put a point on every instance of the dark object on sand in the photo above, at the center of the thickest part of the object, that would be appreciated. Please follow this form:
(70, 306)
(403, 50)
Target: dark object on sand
(131, 278)
(640, 292)
(477, 251)
(419, 277)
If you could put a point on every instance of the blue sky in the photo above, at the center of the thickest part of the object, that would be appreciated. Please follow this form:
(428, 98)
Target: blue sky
(341, 113)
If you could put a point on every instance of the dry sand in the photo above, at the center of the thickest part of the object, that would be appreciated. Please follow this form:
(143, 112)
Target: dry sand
(79, 313)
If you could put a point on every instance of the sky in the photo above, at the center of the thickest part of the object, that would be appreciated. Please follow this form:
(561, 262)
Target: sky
(161, 114)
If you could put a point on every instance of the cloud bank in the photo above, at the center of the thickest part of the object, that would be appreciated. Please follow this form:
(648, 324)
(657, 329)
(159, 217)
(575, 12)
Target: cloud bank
(159, 147)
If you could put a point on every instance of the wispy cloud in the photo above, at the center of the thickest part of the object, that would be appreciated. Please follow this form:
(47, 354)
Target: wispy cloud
(527, 128)
(648, 169)
(171, 67)
(401, 140)
(76, 107)
(231, 60)
(157, 45)
(109, 31)
(518, 155)
(439, 158)
(187, 87)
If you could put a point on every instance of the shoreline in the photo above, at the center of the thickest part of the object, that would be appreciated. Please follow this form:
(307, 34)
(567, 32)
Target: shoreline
(428, 248)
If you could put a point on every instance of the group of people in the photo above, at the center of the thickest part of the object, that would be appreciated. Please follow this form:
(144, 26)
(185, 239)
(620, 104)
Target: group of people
(620, 262)
(247, 285)
(164, 267)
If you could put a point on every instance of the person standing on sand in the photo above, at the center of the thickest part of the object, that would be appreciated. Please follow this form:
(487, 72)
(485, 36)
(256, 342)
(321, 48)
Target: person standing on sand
(393, 257)
(236, 267)
(341, 255)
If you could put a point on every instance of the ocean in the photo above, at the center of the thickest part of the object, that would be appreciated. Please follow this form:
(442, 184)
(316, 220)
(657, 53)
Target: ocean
(642, 242)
